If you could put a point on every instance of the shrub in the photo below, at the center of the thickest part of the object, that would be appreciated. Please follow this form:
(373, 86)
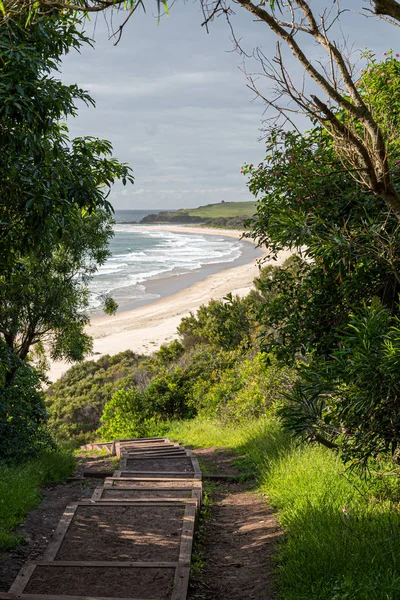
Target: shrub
(248, 389)
(223, 324)
(352, 399)
(76, 401)
(23, 415)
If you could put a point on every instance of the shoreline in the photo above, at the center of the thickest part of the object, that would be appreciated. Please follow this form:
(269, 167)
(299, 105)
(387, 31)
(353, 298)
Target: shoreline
(144, 329)
(166, 284)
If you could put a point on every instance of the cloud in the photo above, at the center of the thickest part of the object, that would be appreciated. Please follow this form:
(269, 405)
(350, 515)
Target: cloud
(174, 102)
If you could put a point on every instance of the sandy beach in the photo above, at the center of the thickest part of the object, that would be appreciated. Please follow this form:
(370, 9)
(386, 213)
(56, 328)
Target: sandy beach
(144, 329)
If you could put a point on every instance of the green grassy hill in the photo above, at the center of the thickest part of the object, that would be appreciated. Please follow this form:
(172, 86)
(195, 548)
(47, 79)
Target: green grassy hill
(223, 209)
(223, 214)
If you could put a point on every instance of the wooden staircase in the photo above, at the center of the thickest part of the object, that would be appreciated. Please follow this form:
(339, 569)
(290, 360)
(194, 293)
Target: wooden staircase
(132, 540)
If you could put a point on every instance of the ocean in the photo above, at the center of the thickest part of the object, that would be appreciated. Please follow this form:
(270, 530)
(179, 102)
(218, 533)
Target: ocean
(141, 253)
(135, 216)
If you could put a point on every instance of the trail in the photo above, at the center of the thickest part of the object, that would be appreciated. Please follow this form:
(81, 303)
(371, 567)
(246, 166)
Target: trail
(238, 539)
(132, 539)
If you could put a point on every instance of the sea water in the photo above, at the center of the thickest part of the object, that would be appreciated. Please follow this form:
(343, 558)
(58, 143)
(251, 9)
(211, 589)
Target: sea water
(141, 253)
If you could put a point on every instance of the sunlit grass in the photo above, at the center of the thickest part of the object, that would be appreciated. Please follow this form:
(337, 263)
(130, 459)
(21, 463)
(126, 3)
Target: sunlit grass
(20, 489)
(226, 209)
(342, 537)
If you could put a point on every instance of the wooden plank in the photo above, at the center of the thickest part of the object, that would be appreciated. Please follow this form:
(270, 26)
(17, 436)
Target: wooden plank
(61, 530)
(54, 597)
(121, 564)
(149, 488)
(139, 502)
(117, 449)
(165, 446)
(97, 494)
(165, 454)
(146, 501)
(195, 462)
(171, 451)
(184, 481)
(22, 578)
(181, 583)
(196, 493)
(187, 535)
(144, 440)
(166, 457)
(160, 474)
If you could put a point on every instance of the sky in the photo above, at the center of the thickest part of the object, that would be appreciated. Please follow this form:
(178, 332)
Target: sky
(174, 101)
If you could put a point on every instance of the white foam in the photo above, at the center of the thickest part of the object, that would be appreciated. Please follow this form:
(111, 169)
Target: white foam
(141, 254)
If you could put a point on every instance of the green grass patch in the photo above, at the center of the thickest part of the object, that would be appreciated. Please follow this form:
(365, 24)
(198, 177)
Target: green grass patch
(225, 209)
(197, 563)
(20, 490)
(342, 537)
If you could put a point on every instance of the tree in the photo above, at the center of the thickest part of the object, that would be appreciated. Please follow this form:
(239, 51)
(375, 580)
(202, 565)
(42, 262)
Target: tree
(54, 214)
(337, 302)
(22, 408)
(44, 175)
(46, 299)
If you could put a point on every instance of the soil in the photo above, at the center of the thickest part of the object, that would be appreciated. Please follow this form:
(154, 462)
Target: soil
(39, 527)
(181, 464)
(132, 493)
(158, 475)
(153, 483)
(141, 451)
(103, 582)
(93, 462)
(123, 533)
(238, 539)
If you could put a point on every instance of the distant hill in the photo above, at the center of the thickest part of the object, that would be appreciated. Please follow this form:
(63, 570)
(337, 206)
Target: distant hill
(223, 214)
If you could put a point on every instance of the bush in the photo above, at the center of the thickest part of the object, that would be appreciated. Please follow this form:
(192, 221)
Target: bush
(121, 416)
(76, 401)
(352, 399)
(23, 415)
(223, 324)
(248, 389)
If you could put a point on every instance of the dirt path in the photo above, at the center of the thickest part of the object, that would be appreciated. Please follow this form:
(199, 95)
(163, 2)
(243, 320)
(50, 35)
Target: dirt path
(238, 538)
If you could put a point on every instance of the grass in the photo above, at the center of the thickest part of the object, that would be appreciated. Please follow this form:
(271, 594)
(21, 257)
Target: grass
(342, 537)
(20, 490)
(197, 562)
(226, 209)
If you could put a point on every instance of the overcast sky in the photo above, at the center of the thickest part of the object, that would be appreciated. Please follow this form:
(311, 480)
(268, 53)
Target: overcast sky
(174, 103)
